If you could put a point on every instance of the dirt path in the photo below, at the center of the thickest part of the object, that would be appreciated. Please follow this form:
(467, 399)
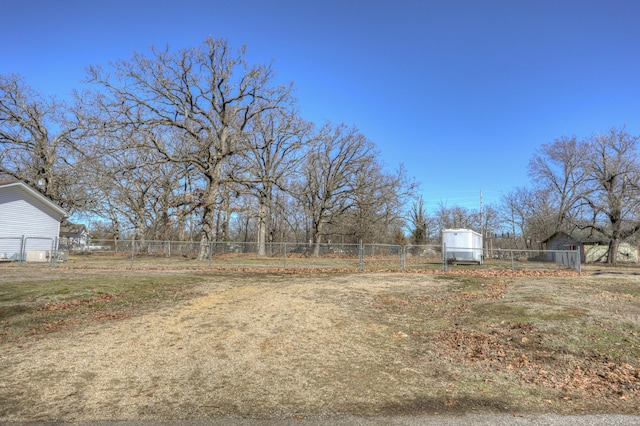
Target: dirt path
(225, 352)
(277, 347)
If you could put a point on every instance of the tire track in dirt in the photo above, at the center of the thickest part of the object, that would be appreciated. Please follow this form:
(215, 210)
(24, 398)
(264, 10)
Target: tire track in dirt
(262, 346)
(214, 354)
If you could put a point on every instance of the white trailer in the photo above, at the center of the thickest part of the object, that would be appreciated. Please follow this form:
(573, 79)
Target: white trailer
(461, 245)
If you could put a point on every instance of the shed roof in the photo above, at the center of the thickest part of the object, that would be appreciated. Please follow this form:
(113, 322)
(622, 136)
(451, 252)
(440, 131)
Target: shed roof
(584, 236)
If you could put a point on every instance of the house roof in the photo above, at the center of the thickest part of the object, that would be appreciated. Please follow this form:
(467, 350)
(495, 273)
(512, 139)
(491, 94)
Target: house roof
(27, 189)
(69, 228)
(585, 236)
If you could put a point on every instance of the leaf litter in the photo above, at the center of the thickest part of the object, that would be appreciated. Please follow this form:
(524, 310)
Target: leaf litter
(320, 345)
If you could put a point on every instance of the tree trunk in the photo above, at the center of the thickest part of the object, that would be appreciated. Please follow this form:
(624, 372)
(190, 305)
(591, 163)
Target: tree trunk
(226, 225)
(317, 238)
(208, 216)
(246, 229)
(262, 229)
(204, 246)
(612, 256)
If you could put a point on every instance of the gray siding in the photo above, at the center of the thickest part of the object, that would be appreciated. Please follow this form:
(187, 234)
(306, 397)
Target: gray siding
(562, 241)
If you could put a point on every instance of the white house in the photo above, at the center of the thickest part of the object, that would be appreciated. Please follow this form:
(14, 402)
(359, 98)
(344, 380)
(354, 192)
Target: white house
(29, 223)
(73, 236)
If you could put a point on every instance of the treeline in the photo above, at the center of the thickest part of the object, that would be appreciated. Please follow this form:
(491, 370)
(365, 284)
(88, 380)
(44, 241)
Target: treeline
(588, 187)
(200, 144)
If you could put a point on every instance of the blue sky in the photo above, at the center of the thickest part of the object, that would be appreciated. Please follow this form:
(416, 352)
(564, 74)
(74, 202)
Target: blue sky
(460, 92)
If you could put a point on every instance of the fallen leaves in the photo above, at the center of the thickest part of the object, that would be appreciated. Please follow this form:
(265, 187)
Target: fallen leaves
(499, 273)
(515, 348)
(587, 374)
(65, 306)
(48, 323)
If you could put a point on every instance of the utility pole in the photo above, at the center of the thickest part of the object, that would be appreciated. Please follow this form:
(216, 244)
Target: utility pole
(482, 222)
(481, 216)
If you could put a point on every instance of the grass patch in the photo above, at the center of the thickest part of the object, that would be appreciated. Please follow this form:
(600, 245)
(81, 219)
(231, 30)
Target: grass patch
(606, 340)
(553, 337)
(40, 305)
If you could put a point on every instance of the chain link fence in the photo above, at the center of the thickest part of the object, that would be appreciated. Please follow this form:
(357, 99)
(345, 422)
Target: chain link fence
(516, 259)
(291, 256)
(250, 255)
(220, 255)
(36, 251)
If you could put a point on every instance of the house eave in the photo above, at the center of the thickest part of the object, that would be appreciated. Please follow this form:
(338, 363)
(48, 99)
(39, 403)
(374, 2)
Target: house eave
(24, 187)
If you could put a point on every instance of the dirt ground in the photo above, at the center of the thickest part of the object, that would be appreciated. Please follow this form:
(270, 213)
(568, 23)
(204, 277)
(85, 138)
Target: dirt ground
(302, 346)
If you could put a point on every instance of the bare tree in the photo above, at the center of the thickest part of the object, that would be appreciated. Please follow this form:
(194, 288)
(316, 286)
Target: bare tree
(378, 198)
(420, 222)
(558, 170)
(489, 221)
(288, 220)
(455, 217)
(326, 189)
(592, 184)
(528, 214)
(273, 154)
(517, 210)
(39, 141)
(243, 224)
(132, 187)
(611, 189)
(195, 106)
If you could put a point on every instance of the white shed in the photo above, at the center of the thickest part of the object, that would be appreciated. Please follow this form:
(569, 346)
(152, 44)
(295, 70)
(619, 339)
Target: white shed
(462, 245)
(29, 222)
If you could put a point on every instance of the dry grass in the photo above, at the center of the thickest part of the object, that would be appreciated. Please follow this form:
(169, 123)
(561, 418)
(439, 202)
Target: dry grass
(331, 262)
(220, 261)
(206, 345)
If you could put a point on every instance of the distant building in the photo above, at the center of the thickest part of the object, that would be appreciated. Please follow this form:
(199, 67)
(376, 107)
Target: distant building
(29, 223)
(73, 236)
(594, 247)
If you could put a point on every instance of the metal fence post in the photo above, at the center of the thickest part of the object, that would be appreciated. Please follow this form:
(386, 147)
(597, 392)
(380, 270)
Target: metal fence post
(133, 251)
(513, 268)
(444, 257)
(578, 260)
(402, 258)
(285, 256)
(54, 252)
(22, 251)
(361, 266)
